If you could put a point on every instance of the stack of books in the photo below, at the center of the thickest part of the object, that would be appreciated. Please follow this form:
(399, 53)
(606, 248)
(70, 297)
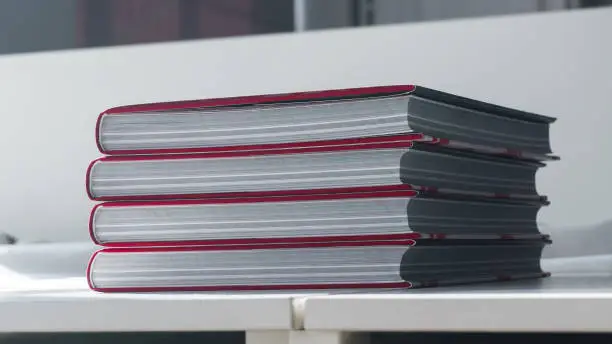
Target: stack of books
(358, 189)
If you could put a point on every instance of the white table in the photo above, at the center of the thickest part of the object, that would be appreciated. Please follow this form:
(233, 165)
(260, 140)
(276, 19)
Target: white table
(43, 289)
(266, 319)
(563, 303)
(578, 298)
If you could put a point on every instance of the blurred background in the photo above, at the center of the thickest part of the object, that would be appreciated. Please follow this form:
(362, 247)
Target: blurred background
(62, 62)
(42, 25)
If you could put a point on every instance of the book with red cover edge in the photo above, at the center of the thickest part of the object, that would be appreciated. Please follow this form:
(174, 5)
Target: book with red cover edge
(243, 100)
(292, 240)
(309, 96)
(312, 287)
(406, 243)
(405, 141)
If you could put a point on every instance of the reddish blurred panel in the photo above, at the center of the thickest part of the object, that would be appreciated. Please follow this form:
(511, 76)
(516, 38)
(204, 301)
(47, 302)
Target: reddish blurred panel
(115, 22)
(142, 21)
(225, 18)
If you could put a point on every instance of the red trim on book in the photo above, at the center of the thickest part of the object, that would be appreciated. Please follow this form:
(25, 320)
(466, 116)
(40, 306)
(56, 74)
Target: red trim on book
(267, 241)
(245, 100)
(89, 268)
(88, 178)
(90, 223)
(272, 199)
(275, 147)
(301, 148)
(331, 286)
(237, 247)
(265, 246)
(309, 147)
(274, 193)
(97, 134)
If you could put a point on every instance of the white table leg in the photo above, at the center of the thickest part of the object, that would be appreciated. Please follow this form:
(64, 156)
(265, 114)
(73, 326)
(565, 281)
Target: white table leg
(328, 337)
(267, 337)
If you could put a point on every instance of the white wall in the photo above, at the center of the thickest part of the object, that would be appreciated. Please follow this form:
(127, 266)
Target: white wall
(556, 64)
